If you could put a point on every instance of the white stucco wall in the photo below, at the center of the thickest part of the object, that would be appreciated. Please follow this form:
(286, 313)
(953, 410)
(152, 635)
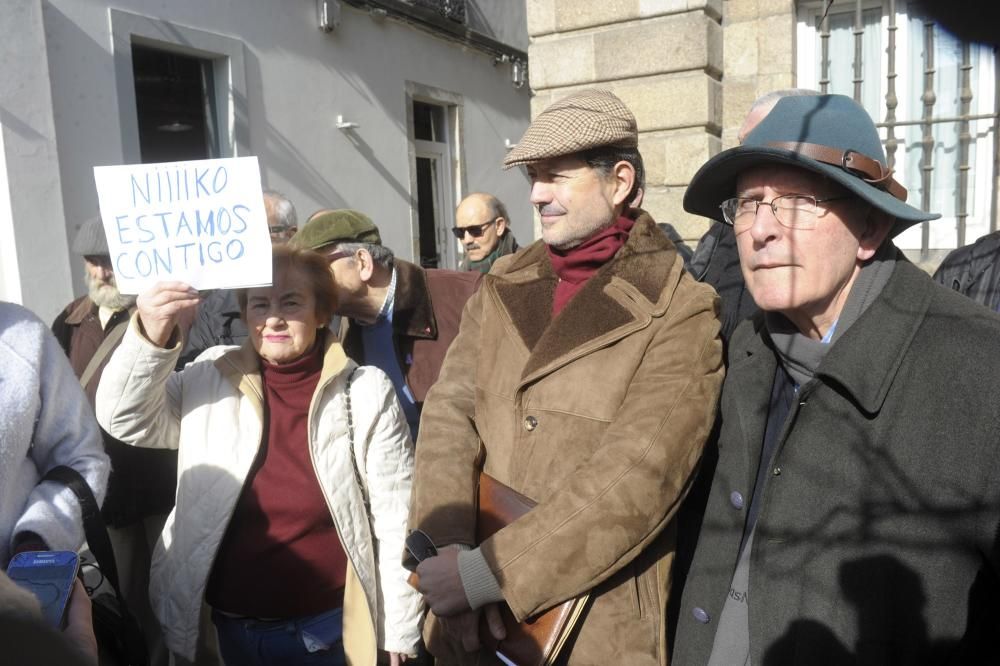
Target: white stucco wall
(297, 81)
(33, 245)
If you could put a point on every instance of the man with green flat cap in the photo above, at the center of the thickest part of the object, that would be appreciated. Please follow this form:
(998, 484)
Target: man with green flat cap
(853, 512)
(398, 316)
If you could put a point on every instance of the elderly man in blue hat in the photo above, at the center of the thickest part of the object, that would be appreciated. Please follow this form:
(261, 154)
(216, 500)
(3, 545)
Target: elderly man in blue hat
(853, 512)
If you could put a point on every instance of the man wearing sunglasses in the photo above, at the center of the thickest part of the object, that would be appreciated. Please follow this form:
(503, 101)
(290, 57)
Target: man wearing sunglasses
(482, 225)
(585, 377)
(854, 510)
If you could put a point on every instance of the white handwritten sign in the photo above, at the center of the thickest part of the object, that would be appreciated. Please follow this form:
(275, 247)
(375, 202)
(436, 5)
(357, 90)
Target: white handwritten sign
(201, 222)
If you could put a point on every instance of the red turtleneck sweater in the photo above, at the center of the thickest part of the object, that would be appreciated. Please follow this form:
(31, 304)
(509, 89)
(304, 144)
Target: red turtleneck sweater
(281, 556)
(578, 264)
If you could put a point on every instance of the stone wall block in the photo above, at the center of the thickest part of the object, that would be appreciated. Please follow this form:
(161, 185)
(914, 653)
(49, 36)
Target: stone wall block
(737, 11)
(741, 49)
(751, 10)
(577, 14)
(665, 205)
(648, 8)
(563, 62)
(567, 15)
(672, 44)
(666, 102)
(541, 17)
(776, 7)
(672, 101)
(738, 96)
(776, 44)
(671, 158)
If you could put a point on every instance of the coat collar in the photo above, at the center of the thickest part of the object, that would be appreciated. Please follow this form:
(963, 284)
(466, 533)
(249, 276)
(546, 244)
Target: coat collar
(413, 312)
(864, 362)
(622, 297)
(866, 359)
(84, 308)
(241, 368)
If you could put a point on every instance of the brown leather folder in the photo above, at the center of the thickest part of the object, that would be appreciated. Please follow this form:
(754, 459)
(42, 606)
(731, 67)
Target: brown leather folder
(538, 640)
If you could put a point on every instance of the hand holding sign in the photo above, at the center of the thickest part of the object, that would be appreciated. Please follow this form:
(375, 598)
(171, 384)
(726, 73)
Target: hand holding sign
(166, 305)
(202, 222)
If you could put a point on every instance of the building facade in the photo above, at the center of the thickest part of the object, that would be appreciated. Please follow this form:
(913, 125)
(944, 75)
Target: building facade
(690, 70)
(394, 107)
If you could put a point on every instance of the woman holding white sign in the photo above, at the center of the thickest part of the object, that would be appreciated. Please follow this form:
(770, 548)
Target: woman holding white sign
(294, 477)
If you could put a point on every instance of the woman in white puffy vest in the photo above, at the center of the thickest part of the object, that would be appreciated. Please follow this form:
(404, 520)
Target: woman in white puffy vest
(293, 483)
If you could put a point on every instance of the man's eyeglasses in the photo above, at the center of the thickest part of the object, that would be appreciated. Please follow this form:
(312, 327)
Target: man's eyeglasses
(337, 254)
(475, 230)
(792, 211)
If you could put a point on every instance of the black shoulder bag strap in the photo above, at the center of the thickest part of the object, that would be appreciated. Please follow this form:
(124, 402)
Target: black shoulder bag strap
(93, 523)
(96, 533)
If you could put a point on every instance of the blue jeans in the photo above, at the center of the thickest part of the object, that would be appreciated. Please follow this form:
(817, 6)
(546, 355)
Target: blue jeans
(316, 639)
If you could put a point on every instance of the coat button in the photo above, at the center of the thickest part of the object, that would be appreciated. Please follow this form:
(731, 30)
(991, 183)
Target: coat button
(736, 499)
(701, 615)
(530, 423)
(776, 471)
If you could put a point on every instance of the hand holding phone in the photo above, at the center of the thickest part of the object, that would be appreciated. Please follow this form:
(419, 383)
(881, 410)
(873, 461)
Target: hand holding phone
(50, 576)
(420, 546)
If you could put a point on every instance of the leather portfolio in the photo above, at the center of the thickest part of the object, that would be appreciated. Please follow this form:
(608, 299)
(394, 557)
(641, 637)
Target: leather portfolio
(538, 640)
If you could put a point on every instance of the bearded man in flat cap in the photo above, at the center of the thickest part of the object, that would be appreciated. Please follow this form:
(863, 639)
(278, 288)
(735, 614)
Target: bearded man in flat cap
(584, 376)
(854, 511)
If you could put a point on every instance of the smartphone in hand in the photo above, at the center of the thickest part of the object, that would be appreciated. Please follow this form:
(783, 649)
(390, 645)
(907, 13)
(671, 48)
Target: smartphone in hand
(420, 547)
(49, 575)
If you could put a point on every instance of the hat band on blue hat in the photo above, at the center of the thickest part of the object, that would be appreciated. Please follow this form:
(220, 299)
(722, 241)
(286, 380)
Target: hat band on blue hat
(869, 170)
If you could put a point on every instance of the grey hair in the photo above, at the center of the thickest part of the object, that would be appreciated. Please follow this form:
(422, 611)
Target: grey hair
(771, 98)
(381, 255)
(285, 209)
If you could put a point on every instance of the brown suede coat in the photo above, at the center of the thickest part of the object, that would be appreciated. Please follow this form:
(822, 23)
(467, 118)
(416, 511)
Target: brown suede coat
(600, 415)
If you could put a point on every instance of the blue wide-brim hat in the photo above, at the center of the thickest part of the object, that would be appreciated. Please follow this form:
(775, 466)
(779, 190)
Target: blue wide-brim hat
(831, 135)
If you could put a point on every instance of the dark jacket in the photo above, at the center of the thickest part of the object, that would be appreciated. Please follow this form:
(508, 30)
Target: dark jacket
(217, 323)
(425, 318)
(716, 261)
(876, 540)
(974, 270)
(142, 481)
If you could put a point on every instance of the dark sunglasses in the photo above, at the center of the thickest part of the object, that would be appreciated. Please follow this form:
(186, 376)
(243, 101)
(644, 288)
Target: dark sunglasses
(475, 230)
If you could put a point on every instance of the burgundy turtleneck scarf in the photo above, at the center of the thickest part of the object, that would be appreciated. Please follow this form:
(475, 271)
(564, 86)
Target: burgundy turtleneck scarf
(281, 556)
(578, 264)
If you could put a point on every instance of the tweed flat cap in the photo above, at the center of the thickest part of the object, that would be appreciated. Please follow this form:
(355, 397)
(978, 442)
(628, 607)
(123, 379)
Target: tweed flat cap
(583, 120)
(90, 238)
(336, 226)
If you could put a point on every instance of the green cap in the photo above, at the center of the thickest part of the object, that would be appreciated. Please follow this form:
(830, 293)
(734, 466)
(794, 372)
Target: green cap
(336, 226)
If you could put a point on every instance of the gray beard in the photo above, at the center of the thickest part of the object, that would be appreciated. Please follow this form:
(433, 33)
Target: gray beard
(107, 295)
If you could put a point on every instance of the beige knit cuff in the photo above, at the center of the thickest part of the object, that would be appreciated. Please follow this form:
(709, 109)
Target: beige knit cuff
(481, 586)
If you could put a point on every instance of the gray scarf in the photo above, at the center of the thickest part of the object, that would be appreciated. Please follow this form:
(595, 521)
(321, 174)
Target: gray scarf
(801, 355)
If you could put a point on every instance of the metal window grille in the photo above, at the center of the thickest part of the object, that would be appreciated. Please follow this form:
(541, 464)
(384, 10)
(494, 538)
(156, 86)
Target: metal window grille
(931, 116)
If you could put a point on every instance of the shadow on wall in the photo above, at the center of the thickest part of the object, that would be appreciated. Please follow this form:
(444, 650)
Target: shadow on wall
(280, 155)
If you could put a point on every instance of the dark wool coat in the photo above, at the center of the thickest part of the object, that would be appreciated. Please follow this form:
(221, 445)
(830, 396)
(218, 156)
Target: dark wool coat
(877, 539)
(599, 414)
(425, 317)
(974, 270)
